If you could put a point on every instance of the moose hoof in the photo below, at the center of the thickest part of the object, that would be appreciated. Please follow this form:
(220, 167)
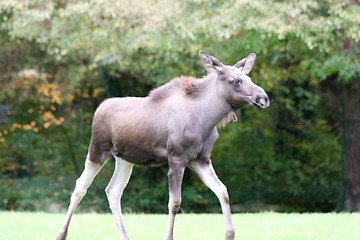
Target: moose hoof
(230, 234)
(61, 235)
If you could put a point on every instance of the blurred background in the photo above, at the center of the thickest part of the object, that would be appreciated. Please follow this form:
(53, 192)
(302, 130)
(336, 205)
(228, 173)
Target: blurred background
(60, 59)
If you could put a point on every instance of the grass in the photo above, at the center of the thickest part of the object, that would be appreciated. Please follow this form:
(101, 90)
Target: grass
(251, 226)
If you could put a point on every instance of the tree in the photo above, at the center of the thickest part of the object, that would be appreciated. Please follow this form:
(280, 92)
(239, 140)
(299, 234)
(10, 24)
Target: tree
(351, 150)
(331, 30)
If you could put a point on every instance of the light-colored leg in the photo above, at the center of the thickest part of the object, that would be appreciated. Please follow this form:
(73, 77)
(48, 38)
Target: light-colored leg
(114, 192)
(175, 176)
(82, 184)
(206, 173)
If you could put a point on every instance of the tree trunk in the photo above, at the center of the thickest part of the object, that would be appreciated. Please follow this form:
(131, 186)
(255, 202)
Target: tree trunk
(351, 145)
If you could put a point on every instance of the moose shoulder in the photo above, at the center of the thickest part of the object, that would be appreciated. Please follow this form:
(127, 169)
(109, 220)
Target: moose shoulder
(175, 123)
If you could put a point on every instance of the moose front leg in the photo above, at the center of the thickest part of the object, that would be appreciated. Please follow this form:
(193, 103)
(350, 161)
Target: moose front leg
(206, 173)
(175, 177)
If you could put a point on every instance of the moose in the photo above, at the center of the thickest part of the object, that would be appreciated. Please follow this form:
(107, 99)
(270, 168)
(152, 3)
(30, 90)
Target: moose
(175, 124)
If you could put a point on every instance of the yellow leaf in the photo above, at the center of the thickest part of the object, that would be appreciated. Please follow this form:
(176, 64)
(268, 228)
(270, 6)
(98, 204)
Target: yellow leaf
(48, 116)
(56, 99)
(27, 127)
(97, 91)
(15, 126)
(71, 97)
(149, 44)
(60, 121)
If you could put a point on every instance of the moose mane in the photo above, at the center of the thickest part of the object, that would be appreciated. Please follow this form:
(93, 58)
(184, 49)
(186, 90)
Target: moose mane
(190, 85)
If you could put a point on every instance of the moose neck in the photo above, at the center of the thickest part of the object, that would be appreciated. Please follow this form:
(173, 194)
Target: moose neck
(211, 105)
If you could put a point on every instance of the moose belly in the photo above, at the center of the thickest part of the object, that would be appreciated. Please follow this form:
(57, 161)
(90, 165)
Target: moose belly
(148, 156)
(142, 156)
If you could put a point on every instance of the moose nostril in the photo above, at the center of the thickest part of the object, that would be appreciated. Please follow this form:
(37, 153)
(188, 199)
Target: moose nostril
(266, 102)
(262, 100)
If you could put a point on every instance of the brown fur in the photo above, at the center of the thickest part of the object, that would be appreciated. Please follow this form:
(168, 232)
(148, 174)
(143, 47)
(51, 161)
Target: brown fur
(190, 85)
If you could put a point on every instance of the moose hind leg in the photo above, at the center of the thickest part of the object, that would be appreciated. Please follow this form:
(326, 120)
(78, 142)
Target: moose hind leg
(82, 184)
(175, 177)
(114, 192)
(206, 173)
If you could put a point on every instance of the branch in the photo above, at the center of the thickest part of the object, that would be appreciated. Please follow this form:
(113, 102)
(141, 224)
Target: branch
(71, 149)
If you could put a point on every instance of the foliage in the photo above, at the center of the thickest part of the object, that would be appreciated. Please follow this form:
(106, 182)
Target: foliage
(60, 59)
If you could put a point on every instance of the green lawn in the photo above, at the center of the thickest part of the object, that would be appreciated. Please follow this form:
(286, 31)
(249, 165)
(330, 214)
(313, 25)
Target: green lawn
(267, 226)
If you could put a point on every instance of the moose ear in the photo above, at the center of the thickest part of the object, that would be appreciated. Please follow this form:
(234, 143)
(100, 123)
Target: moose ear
(210, 63)
(246, 64)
